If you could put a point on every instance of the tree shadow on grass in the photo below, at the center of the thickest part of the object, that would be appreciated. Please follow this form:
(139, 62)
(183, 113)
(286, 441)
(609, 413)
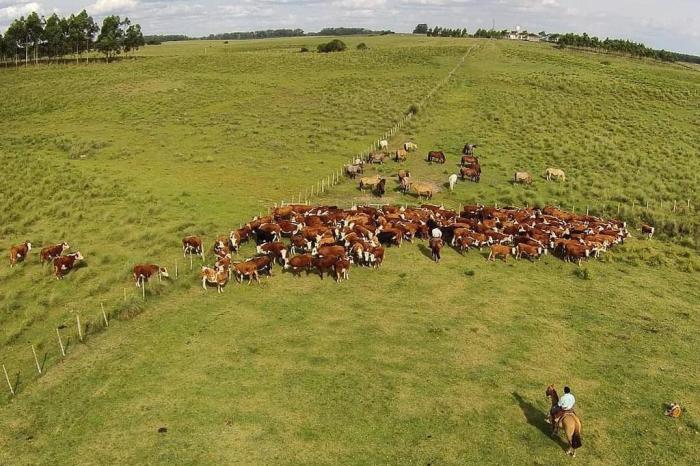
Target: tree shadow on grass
(536, 418)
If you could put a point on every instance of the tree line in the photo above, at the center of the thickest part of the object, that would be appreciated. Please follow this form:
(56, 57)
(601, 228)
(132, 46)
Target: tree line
(568, 40)
(33, 37)
(267, 34)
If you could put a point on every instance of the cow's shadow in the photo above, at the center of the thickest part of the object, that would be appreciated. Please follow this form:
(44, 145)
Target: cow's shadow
(536, 418)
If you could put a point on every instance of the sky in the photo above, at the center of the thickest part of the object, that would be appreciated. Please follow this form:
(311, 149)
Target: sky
(668, 24)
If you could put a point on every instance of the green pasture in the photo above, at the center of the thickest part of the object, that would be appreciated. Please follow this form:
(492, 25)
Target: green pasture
(412, 363)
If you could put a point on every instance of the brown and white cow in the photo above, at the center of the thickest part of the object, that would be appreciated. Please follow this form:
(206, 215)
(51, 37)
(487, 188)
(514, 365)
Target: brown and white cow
(142, 272)
(192, 245)
(436, 245)
(297, 264)
(341, 269)
(49, 253)
(500, 250)
(529, 251)
(19, 252)
(214, 276)
(436, 156)
(64, 264)
(276, 250)
(246, 269)
(647, 230)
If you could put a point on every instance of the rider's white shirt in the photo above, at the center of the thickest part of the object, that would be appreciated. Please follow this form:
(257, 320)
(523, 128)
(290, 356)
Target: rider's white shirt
(567, 401)
(437, 233)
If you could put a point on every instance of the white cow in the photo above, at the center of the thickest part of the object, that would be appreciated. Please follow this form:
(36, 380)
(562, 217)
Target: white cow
(452, 180)
(383, 144)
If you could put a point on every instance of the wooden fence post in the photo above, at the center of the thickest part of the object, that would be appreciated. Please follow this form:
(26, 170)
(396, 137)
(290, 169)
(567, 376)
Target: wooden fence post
(143, 289)
(80, 330)
(7, 377)
(60, 342)
(104, 314)
(36, 360)
(175, 270)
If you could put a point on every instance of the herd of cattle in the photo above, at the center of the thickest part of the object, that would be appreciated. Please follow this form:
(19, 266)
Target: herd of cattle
(329, 240)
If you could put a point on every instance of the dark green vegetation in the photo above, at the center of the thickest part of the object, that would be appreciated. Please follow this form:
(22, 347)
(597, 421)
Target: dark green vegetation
(336, 45)
(414, 362)
(34, 38)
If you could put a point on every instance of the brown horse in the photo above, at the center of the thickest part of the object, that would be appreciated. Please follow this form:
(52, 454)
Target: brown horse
(570, 422)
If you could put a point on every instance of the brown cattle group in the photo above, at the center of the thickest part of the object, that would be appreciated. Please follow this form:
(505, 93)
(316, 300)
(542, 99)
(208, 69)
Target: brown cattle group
(62, 265)
(328, 240)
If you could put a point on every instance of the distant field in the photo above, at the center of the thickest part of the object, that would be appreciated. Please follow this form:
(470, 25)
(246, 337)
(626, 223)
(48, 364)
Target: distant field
(411, 363)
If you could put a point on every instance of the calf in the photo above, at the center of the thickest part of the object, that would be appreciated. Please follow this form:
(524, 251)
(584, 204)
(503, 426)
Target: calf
(192, 245)
(49, 253)
(19, 252)
(324, 263)
(64, 264)
(142, 272)
(502, 251)
(341, 269)
(218, 277)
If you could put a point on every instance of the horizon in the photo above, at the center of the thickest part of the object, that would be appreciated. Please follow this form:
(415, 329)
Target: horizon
(672, 26)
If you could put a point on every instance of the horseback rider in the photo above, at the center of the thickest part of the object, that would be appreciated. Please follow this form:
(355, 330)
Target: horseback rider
(565, 405)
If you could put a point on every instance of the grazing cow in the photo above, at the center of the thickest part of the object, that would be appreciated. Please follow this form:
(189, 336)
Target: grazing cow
(296, 264)
(452, 180)
(436, 156)
(49, 253)
(410, 147)
(470, 174)
(403, 174)
(400, 155)
(436, 245)
(554, 173)
(422, 189)
(246, 269)
(218, 277)
(502, 251)
(647, 230)
(341, 269)
(276, 250)
(64, 264)
(383, 144)
(469, 149)
(529, 251)
(19, 252)
(192, 245)
(370, 181)
(142, 272)
(390, 236)
(522, 178)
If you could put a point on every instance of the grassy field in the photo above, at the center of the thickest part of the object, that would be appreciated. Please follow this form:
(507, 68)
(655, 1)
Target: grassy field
(413, 363)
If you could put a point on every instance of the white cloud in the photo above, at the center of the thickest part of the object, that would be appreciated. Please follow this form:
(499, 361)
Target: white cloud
(112, 6)
(16, 10)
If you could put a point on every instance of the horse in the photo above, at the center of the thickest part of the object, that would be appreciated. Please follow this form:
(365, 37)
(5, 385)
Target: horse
(452, 180)
(555, 173)
(570, 422)
(436, 245)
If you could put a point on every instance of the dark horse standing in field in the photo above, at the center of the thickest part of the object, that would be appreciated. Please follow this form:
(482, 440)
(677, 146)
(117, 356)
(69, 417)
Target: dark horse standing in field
(568, 420)
(436, 245)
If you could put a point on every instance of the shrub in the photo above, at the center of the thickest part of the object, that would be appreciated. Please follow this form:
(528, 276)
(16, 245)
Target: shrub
(304, 50)
(336, 45)
(583, 274)
(362, 46)
(413, 108)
